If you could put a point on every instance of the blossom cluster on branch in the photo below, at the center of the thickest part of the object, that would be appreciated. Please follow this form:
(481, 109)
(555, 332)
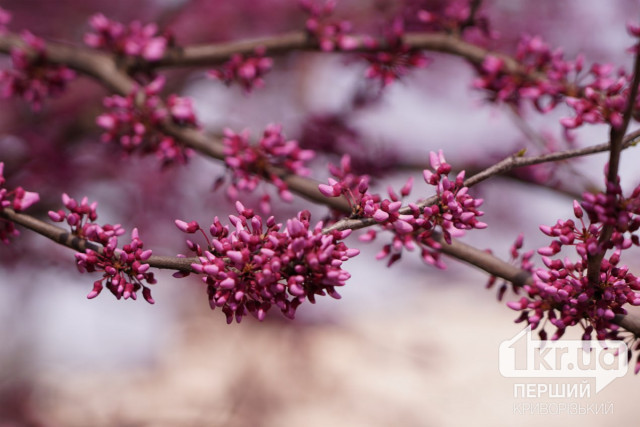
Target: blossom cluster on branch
(249, 163)
(247, 71)
(255, 264)
(454, 211)
(124, 271)
(562, 293)
(132, 121)
(17, 199)
(33, 78)
(135, 39)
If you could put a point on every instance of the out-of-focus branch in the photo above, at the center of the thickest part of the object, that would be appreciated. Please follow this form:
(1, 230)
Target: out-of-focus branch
(112, 73)
(95, 64)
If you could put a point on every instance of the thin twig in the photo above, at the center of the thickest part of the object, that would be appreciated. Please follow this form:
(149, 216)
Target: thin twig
(505, 165)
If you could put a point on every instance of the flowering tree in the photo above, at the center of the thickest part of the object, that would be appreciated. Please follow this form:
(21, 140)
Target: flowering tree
(119, 83)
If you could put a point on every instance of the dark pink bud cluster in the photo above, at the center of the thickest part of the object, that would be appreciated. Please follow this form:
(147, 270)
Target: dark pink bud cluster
(454, 212)
(562, 292)
(136, 39)
(18, 199)
(603, 100)
(352, 186)
(247, 71)
(254, 265)
(395, 59)
(124, 270)
(329, 34)
(597, 95)
(249, 163)
(552, 73)
(33, 77)
(133, 120)
(456, 209)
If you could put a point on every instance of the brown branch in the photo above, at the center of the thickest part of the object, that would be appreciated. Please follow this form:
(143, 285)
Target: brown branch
(90, 62)
(217, 53)
(617, 142)
(499, 268)
(456, 249)
(65, 238)
(505, 165)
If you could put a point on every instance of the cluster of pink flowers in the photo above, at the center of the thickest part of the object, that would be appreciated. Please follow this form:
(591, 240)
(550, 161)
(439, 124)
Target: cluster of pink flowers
(327, 33)
(535, 56)
(562, 292)
(255, 265)
(250, 163)
(597, 95)
(395, 59)
(454, 212)
(247, 71)
(449, 16)
(18, 199)
(136, 39)
(124, 270)
(33, 77)
(133, 120)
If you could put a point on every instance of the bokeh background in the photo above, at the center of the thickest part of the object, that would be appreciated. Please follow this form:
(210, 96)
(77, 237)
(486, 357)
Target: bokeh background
(407, 345)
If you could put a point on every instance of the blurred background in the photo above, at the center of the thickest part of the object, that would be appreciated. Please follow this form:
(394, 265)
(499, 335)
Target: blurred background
(407, 345)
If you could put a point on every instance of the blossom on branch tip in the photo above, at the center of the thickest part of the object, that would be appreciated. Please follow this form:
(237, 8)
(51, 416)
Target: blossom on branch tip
(124, 270)
(255, 265)
(33, 78)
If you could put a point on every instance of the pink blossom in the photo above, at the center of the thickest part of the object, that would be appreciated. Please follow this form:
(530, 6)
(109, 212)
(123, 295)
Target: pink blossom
(124, 270)
(395, 60)
(33, 78)
(18, 199)
(133, 123)
(248, 71)
(330, 34)
(257, 264)
(248, 163)
(136, 39)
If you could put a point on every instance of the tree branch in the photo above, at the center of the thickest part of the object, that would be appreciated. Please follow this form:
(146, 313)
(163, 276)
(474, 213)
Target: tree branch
(617, 143)
(505, 165)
